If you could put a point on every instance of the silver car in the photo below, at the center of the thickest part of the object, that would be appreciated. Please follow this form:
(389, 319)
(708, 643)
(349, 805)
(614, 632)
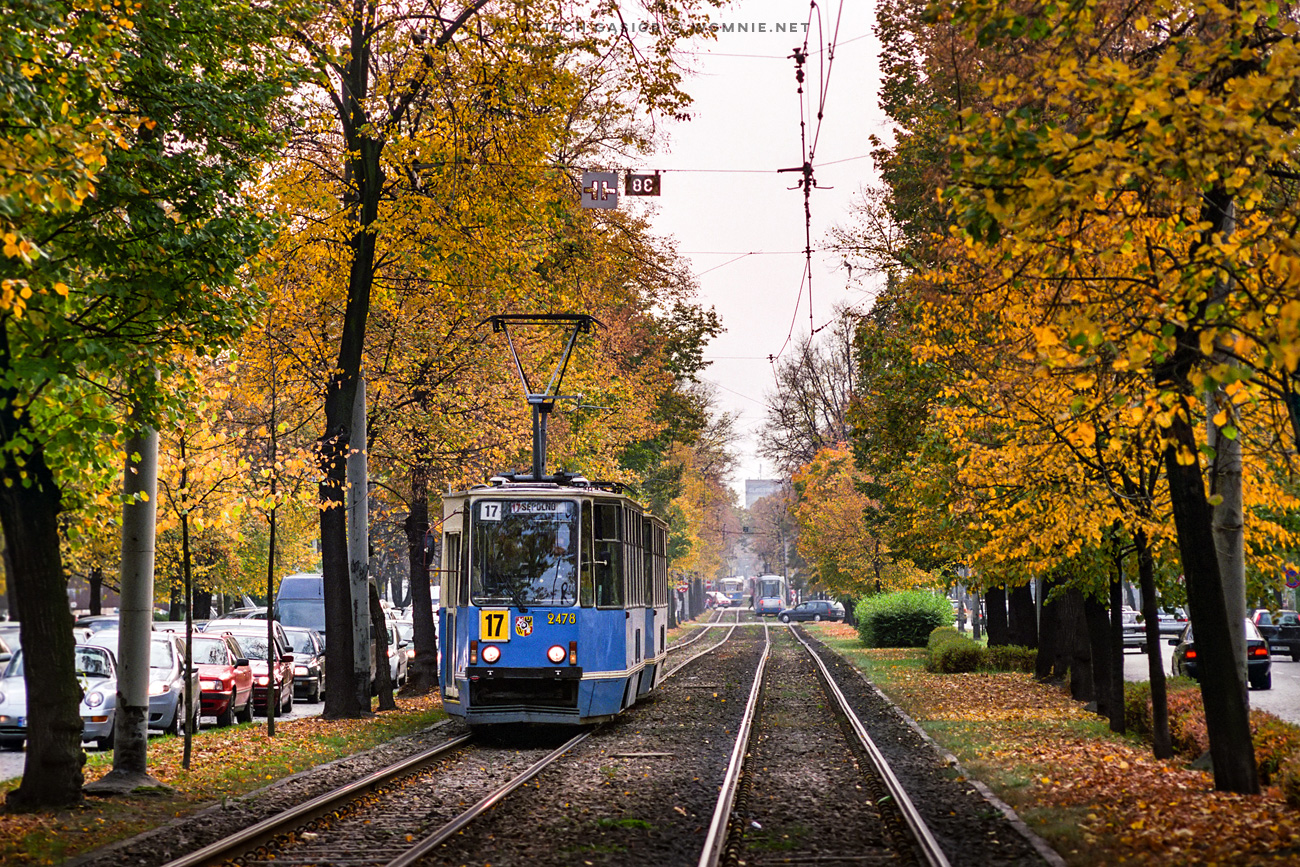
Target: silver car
(97, 672)
(166, 680)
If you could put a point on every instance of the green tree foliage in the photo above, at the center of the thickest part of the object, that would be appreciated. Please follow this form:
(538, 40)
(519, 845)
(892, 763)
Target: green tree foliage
(147, 264)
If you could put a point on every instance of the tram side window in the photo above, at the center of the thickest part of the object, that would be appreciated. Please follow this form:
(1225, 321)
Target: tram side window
(453, 586)
(632, 547)
(661, 566)
(609, 556)
(648, 559)
(586, 568)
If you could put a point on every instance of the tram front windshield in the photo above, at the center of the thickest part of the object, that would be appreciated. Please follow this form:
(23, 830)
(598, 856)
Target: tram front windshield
(524, 553)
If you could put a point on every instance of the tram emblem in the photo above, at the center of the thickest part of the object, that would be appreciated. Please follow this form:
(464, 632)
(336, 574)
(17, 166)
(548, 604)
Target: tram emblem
(524, 625)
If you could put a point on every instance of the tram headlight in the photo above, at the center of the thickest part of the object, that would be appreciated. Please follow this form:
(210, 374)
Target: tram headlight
(491, 653)
(556, 654)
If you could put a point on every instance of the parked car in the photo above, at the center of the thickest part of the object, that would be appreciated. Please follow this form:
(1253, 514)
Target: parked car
(225, 678)
(1135, 630)
(98, 622)
(1172, 620)
(406, 631)
(397, 659)
(1259, 668)
(308, 663)
(251, 636)
(813, 609)
(166, 680)
(1282, 631)
(97, 672)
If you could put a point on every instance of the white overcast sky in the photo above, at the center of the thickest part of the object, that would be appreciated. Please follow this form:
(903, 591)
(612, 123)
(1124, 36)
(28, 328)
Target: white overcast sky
(722, 197)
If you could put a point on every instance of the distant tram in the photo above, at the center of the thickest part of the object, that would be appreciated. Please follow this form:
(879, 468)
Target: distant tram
(770, 594)
(734, 589)
(554, 589)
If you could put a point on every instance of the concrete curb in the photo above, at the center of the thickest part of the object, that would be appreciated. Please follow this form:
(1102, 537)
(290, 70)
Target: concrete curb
(1050, 855)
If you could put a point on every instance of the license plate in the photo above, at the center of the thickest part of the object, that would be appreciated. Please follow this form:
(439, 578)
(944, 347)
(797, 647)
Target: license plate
(22, 722)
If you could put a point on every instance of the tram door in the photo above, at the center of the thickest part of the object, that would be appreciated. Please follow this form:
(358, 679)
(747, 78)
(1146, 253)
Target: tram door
(452, 578)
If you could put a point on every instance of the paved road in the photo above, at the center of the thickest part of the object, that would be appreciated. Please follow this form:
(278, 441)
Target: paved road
(11, 763)
(1282, 700)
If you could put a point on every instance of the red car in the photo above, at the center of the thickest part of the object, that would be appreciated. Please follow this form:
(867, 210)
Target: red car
(225, 678)
(251, 637)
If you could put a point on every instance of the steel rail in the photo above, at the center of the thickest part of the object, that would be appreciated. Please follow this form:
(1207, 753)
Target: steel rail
(928, 847)
(717, 836)
(688, 660)
(254, 835)
(432, 841)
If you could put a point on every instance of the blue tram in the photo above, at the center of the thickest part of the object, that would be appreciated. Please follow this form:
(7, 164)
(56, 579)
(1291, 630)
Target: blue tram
(554, 601)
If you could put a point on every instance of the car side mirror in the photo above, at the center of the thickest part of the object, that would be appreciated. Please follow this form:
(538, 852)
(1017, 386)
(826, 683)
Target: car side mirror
(241, 663)
(288, 657)
(1173, 642)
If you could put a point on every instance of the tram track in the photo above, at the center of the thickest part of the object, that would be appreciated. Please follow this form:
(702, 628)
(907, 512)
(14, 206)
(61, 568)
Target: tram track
(747, 829)
(349, 826)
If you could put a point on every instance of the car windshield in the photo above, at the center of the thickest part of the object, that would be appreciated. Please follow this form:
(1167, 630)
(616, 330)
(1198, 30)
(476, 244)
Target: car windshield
(93, 662)
(161, 654)
(1287, 618)
(307, 613)
(525, 552)
(254, 646)
(301, 641)
(210, 651)
(15, 666)
(406, 630)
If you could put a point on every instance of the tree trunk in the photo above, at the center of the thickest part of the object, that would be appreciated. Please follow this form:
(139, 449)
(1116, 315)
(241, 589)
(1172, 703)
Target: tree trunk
(383, 673)
(1223, 691)
(1162, 742)
(1097, 620)
(29, 510)
(201, 603)
(1225, 475)
(1073, 654)
(423, 677)
(1022, 624)
(995, 601)
(349, 695)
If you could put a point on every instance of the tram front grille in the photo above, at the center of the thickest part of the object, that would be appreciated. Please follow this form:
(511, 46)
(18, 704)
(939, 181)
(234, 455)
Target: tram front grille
(529, 692)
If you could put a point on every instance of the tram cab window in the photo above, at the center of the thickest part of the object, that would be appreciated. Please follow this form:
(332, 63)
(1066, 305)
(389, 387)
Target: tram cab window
(632, 543)
(609, 555)
(524, 552)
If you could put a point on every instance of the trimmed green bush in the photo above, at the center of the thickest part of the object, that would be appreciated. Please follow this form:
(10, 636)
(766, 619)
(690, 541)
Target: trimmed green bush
(942, 635)
(901, 619)
(1011, 657)
(958, 656)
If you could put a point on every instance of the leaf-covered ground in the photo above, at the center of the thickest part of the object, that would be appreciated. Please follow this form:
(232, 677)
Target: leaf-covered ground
(224, 763)
(1096, 797)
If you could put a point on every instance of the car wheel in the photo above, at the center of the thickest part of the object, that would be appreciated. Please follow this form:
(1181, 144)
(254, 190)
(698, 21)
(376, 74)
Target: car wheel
(246, 713)
(11, 743)
(175, 727)
(288, 700)
(104, 744)
(1295, 655)
(1142, 648)
(1265, 682)
(785, 618)
(817, 618)
(314, 695)
(227, 716)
